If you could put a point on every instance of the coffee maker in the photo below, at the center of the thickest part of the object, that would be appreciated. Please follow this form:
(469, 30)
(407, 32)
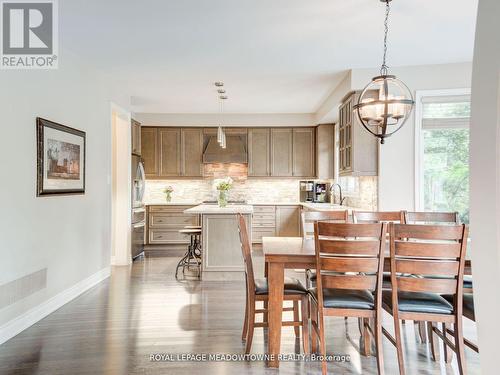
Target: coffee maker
(314, 191)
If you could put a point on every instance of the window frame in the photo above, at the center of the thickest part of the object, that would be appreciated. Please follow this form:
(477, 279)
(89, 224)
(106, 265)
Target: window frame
(419, 144)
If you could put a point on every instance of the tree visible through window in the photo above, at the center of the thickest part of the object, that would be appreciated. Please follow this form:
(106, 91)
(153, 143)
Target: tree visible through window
(446, 157)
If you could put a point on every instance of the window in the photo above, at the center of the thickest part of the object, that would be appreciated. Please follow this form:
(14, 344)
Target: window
(444, 154)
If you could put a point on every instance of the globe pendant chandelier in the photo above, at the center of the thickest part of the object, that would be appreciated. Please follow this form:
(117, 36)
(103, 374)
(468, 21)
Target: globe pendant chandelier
(386, 102)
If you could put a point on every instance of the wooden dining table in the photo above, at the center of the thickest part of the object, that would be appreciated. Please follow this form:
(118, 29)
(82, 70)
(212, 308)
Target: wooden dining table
(282, 253)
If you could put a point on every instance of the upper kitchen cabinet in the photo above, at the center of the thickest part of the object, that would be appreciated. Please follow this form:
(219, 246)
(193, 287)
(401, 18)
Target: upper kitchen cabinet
(303, 152)
(169, 152)
(149, 151)
(281, 152)
(172, 152)
(136, 138)
(191, 152)
(325, 151)
(358, 149)
(259, 146)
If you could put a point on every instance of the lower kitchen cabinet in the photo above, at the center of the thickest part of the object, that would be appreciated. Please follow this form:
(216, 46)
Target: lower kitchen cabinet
(288, 221)
(164, 223)
(270, 221)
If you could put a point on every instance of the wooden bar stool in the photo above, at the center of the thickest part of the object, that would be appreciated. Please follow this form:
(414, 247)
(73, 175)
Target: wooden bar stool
(192, 257)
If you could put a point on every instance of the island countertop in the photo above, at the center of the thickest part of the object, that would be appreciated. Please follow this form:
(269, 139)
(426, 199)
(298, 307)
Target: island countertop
(213, 209)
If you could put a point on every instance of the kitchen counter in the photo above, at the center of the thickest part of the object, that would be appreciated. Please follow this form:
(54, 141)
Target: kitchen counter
(211, 209)
(164, 203)
(326, 207)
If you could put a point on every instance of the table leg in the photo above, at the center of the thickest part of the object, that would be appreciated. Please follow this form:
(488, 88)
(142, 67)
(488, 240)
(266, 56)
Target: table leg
(276, 281)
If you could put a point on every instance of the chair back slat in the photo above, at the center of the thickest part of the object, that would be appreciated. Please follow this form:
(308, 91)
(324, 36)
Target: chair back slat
(378, 216)
(246, 251)
(427, 250)
(350, 264)
(355, 249)
(428, 285)
(427, 268)
(428, 232)
(352, 247)
(427, 258)
(432, 217)
(309, 217)
(355, 282)
(348, 230)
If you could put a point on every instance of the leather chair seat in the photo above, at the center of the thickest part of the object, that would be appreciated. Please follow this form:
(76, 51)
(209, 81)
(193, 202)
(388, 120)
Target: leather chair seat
(292, 286)
(419, 302)
(468, 305)
(345, 298)
(468, 282)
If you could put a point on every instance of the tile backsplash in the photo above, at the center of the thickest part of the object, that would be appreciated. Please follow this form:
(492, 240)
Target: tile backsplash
(360, 192)
(251, 190)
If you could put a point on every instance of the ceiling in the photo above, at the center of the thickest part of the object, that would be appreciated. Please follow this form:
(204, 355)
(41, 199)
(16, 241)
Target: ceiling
(275, 56)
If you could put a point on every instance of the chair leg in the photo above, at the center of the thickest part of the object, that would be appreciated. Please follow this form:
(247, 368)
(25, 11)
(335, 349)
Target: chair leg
(422, 327)
(322, 344)
(378, 340)
(460, 346)
(367, 341)
(314, 318)
(245, 321)
(399, 344)
(296, 317)
(448, 354)
(360, 326)
(251, 325)
(304, 304)
(432, 340)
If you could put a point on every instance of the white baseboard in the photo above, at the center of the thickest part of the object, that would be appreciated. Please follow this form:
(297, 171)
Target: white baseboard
(30, 317)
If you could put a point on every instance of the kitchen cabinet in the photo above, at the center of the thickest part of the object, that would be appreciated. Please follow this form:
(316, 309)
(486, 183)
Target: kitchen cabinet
(325, 151)
(303, 152)
(358, 149)
(288, 221)
(164, 223)
(281, 152)
(149, 151)
(191, 152)
(136, 138)
(263, 223)
(172, 152)
(259, 147)
(169, 152)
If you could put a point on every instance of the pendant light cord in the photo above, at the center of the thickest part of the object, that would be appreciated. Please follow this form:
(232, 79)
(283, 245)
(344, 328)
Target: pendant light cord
(384, 68)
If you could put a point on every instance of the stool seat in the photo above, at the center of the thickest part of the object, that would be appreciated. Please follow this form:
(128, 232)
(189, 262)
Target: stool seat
(190, 231)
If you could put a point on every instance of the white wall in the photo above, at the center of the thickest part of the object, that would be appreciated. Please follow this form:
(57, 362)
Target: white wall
(397, 155)
(485, 182)
(68, 235)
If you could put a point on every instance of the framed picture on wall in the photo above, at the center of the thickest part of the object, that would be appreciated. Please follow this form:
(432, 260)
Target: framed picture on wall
(60, 159)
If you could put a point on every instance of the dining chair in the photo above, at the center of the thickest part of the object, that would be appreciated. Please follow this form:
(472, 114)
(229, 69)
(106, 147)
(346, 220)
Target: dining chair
(307, 219)
(427, 261)
(349, 265)
(258, 290)
(442, 218)
(378, 217)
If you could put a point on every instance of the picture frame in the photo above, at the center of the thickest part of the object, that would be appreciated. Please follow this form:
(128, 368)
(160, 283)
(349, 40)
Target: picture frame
(60, 159)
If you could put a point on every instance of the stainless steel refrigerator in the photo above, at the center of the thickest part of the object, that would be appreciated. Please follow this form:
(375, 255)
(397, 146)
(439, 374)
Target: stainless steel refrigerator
(138, 207)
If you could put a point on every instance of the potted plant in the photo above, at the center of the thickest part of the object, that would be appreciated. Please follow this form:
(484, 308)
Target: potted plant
(223, 185)
(168, 193)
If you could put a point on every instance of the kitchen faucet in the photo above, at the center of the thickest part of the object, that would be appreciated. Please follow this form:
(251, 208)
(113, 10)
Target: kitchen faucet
(332, 188)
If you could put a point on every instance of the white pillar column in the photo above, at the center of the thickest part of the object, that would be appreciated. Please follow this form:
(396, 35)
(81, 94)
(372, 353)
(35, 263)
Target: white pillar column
(485, 182)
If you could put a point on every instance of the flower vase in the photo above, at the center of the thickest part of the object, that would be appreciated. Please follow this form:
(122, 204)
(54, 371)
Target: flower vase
(168, 197)
(222, 199)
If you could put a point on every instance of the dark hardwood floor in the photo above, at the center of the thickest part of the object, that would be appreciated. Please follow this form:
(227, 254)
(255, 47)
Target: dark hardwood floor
(116, 326)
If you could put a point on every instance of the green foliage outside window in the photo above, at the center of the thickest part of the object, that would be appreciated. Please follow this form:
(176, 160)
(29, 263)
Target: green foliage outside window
(446, 171)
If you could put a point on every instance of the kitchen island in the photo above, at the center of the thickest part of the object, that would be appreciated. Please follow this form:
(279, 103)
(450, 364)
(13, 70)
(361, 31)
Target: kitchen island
(221, 249)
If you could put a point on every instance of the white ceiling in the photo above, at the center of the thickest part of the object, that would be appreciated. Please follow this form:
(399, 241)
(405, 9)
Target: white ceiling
(275, 56)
